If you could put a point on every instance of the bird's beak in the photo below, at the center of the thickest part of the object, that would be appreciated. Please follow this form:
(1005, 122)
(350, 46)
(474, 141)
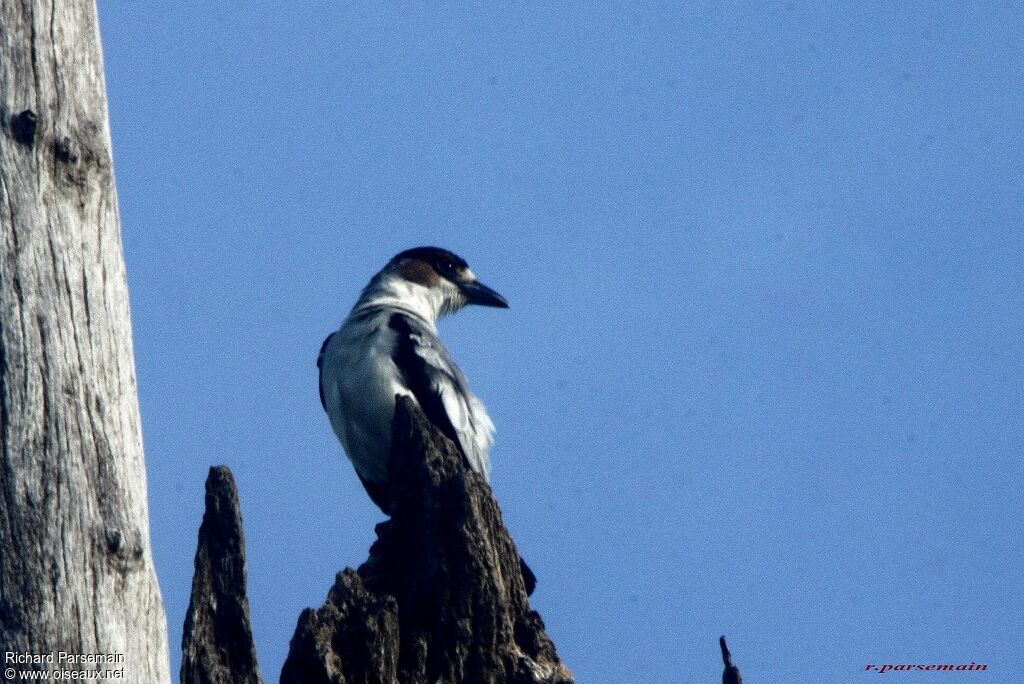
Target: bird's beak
(478, 293)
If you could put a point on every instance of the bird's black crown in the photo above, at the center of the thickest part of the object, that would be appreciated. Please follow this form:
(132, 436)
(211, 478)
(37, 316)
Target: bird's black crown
(442, 260)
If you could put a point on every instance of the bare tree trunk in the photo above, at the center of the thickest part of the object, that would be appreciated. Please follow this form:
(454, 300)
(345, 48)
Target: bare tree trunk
(76, 570)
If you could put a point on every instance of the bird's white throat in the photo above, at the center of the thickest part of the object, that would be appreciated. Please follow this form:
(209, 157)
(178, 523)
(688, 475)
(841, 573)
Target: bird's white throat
(392, 291)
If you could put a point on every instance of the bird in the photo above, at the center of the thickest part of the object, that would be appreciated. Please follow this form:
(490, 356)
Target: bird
(388, 346)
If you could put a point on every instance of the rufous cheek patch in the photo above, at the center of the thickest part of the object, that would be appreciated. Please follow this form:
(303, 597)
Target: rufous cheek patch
(419, 271)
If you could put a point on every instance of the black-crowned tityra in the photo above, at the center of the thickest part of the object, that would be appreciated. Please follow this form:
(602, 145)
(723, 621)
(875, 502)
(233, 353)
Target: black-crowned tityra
(389, 346)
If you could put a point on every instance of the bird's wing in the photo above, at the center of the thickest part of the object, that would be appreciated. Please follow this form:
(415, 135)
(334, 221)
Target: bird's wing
(441, 389)
(320, 367)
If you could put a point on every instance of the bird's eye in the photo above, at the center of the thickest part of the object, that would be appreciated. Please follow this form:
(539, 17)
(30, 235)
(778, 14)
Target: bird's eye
(448, 266)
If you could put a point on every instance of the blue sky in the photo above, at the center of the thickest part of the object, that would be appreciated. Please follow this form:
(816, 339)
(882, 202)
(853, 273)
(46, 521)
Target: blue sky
(762, 374)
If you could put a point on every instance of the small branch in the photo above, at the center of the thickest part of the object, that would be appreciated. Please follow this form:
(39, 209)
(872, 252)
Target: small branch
(731, 674)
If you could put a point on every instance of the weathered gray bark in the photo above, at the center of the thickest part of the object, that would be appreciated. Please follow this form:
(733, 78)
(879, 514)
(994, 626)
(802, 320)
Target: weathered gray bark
(217, 646)
(76, 572)
(441, 598)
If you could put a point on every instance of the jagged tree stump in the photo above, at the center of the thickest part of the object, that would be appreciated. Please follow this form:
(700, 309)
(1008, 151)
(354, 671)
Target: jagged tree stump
(217, 646)
(441, 597)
